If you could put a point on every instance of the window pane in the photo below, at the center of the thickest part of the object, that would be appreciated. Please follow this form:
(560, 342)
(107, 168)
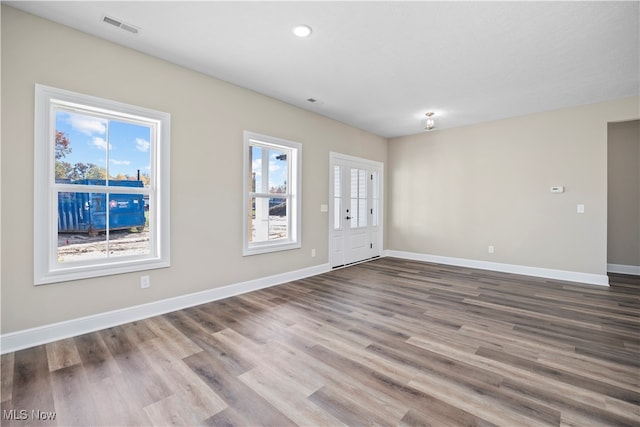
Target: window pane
(255, 161)
(128, 225)
(129, 152)
(80, 147)
(269, 219)
(80, 218)
(278, 219)
(90, 148)
(278, 171)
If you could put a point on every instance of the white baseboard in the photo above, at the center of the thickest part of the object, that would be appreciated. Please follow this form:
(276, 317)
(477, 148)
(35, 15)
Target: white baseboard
(571, 276)
(624, 269)
(56, 331)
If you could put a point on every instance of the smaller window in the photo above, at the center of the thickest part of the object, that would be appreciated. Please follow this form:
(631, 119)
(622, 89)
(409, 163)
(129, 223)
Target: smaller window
(271, 194)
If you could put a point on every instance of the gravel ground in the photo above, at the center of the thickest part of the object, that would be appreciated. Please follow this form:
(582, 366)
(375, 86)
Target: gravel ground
(78, 247)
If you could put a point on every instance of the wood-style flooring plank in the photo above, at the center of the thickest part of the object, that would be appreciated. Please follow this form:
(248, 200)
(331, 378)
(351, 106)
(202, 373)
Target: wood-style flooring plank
(6, 376)
(61, 354)
(32, 391)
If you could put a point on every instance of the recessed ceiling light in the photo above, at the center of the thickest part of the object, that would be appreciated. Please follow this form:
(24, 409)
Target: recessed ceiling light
(302, 30)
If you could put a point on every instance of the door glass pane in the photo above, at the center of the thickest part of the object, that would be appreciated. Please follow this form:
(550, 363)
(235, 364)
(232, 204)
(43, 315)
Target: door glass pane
(374, 185)
(337, 198)
(354, 183)
(337, 213)
(354, 213)
(358, 198)
(362, 184)
(362, 212)
(375, 199)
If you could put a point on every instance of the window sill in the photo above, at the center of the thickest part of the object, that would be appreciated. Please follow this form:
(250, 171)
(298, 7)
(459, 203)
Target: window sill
(267, 248)
(89, 271)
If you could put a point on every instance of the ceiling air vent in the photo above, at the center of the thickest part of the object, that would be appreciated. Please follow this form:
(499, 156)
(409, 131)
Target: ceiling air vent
(119, 24)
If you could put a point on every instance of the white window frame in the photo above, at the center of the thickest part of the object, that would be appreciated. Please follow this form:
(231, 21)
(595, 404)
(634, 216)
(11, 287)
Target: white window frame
(294, 184)
(47, 269)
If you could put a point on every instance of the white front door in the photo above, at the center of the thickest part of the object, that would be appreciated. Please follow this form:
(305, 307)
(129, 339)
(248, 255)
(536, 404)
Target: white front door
(355, 229)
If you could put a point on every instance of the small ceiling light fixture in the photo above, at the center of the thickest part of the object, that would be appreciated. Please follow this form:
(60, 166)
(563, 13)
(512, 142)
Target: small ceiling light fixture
(302, 30)
(431, 123)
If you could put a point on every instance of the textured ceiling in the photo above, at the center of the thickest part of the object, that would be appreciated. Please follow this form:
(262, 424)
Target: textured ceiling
(380, 66)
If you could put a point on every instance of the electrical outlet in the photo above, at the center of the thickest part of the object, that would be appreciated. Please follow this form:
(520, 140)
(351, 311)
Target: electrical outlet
(491, 249)
(313, 252)
(145, 282)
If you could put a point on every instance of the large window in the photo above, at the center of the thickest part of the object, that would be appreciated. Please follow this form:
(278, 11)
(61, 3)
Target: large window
(101, 187)
(271, 194)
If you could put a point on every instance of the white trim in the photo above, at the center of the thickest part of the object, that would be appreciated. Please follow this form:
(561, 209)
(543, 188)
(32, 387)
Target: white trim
(624, 269)
(19, 340)
(571, 276)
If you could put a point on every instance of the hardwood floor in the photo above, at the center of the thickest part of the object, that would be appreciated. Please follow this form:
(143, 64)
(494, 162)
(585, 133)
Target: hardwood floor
(388, 342)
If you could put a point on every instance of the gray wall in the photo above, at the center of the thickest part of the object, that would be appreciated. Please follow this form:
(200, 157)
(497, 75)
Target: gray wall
(624, 193)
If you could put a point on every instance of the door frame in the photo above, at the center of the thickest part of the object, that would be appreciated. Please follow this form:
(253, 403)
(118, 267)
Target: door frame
(335, 157)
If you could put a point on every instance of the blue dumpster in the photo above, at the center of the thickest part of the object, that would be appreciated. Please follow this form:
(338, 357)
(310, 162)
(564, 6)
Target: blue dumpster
(87, 212)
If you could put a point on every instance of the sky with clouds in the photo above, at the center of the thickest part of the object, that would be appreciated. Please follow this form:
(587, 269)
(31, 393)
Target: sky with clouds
(94, 140)
(277, 168)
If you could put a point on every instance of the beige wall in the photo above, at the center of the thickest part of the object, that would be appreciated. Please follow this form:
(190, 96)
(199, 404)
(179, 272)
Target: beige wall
(624, 193)
(453, 193)
(208, 118)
